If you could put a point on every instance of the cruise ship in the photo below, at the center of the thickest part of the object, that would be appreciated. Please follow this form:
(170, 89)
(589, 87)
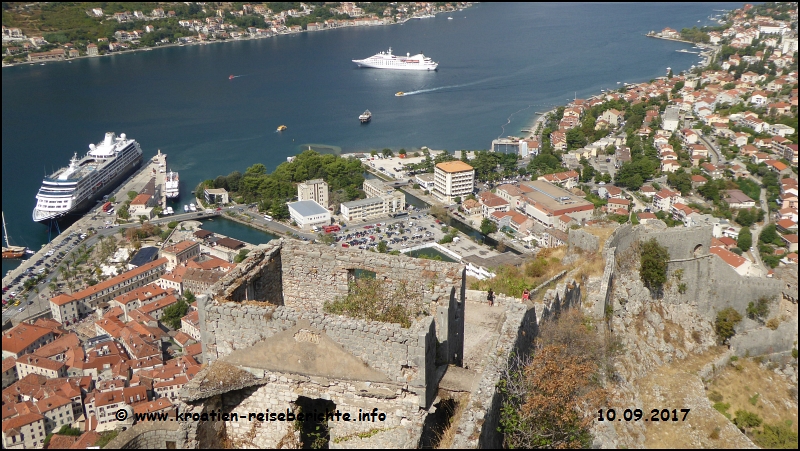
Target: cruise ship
(385, 60)
(75, 188)
(171, 184)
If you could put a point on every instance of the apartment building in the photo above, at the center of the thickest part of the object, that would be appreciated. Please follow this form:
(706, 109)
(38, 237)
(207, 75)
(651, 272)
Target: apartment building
(316, 190)
(453, 179)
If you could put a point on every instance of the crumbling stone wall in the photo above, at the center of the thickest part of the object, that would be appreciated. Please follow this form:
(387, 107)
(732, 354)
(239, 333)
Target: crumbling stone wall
(314, 274)
(283, 390)
(149, 435)
(477, 427)
(397, 352)
(257, 278)
(583, 240)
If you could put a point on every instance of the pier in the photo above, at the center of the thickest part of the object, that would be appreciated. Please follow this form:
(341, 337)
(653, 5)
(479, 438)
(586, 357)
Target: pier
(93, 225)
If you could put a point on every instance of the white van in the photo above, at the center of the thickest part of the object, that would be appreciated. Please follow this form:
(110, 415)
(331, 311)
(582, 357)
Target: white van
(268, 217)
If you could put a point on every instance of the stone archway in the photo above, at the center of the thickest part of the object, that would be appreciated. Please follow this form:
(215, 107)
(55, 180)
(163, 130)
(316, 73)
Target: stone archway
(698, 251)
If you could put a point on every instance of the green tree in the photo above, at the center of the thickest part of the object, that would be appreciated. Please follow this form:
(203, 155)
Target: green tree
(488, 226)
(132, 195)
(173, 314)
(387, 153)
(758, 310)
(382, 247)
(770, 235)
(727, 319)
(653, 269)
(745, 240)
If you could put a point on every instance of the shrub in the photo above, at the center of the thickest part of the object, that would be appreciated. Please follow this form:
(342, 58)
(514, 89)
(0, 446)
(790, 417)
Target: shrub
(715, 433)
(722, 407)
(758, 310)
(773, 323)
(653, 269)
(774, 436)
(747, 420)
(727, 319)
(682, 288)
(753, 400)
(715, 396)
(374, 300)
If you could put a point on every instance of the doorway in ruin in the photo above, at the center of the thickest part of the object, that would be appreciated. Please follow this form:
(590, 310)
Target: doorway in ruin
(698, 250)
(314, 433)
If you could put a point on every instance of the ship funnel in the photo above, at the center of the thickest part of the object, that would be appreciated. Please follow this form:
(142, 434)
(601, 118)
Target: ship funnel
(408, 54)
(122, 136)
(92, 147)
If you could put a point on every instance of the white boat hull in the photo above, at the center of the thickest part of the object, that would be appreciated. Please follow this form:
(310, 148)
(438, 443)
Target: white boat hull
(363, 63)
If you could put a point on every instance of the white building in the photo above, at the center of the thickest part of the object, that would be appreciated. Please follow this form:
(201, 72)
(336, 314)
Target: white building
(308, 213)
(316, 190)
(453, 179)
(373, 207)
(425, 181)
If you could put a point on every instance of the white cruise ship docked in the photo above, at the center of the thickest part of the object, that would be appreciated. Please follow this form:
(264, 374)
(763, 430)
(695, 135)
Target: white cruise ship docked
(75, 188)
(171, 184)
(385, 60)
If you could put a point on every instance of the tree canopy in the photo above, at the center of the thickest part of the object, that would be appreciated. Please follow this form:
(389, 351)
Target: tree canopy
(653, 269)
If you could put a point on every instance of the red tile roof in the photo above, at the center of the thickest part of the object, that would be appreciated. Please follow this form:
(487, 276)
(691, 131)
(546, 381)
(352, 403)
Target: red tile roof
(728, 256)
(115, 280)
(21, 336)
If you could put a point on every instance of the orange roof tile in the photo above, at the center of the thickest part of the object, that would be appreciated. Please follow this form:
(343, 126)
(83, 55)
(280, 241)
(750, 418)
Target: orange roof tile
(20, 421)
(117, 279)
(728, 256)
(21, 336)
(454, 166)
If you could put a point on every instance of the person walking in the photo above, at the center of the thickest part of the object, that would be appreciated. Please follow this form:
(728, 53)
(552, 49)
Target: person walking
(490, 297)
(526, 295)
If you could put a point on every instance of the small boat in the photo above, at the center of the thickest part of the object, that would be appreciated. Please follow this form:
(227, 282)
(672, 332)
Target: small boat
(10, 251)
(186, 209)
(400, 94)
(282, 128)
(365, 117)
(449, 18)
(231, 77)
(192, 207)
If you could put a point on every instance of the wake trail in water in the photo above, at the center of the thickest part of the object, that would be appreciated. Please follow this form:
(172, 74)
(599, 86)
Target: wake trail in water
(508, 121)
(464, 85)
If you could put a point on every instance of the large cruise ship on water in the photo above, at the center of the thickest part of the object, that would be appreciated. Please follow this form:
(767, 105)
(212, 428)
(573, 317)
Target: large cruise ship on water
(171, 185)
(75, 188)
(385, 60)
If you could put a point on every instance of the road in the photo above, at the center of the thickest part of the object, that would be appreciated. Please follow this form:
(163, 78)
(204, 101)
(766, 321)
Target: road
(756, 231)
(714, 154)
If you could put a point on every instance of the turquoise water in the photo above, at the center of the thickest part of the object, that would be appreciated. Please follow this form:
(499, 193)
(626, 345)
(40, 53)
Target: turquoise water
(498, 65)
(237, 231)
(430, 251)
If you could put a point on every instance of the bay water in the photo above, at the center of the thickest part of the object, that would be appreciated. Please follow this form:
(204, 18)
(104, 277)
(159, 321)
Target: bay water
(499, 64)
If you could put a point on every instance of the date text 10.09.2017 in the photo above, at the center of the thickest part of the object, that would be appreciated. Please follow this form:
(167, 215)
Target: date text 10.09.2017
(638, 414)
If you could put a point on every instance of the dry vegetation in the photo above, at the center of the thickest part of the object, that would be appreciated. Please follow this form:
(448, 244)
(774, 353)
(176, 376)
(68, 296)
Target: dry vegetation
(548, 396)
(677, 386)
(744, 385)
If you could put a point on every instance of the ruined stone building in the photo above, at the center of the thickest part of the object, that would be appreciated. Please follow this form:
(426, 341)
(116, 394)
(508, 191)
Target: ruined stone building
(271, 346)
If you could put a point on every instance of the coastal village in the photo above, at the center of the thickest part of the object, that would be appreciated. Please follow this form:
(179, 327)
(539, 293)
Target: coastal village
(713, 149)
(199, 23)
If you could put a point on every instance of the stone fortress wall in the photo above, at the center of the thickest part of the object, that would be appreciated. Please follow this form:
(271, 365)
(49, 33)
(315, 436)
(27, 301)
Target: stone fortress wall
(273, 302)
(711, 284)
(477, 427)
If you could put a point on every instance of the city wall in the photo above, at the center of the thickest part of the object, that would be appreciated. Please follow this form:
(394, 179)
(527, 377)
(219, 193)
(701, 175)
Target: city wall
(477, 427)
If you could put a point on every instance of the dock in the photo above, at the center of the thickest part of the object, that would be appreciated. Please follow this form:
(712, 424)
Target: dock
(94, 219)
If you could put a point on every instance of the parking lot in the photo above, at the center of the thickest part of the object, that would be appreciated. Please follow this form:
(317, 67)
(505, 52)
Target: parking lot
(37, 271)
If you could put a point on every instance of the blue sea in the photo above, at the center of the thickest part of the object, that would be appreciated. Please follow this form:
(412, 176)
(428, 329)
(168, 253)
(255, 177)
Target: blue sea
(499, 64)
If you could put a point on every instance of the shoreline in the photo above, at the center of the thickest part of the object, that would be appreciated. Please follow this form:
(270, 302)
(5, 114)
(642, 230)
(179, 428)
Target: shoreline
(207, 42)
